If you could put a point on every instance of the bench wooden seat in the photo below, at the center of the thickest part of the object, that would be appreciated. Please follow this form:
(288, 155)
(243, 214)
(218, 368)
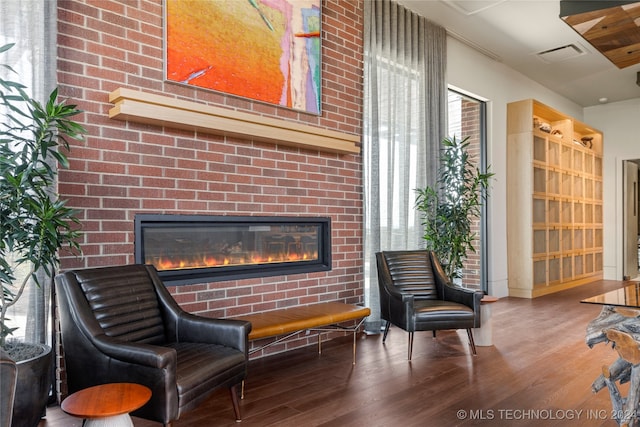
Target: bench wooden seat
(287, 322)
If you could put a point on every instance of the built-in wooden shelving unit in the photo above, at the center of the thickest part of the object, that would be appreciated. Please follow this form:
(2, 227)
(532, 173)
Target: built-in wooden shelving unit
(554, 200)
(141, 107)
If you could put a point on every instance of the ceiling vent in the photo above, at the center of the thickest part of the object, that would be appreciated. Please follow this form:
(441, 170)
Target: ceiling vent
(468, 7)
(559, 54)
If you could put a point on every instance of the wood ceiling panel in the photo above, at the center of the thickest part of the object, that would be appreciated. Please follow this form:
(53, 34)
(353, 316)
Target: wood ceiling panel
(614, 31)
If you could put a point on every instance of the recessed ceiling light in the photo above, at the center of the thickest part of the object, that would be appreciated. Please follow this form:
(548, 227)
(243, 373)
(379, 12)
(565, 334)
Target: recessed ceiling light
(603, 100)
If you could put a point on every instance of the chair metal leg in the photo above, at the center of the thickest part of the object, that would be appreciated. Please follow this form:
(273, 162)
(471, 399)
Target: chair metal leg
(434, 333)
(471, 342)
(410, 344)
(386, 331)
(234, 399)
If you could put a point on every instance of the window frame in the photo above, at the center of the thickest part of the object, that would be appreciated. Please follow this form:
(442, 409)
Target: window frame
(483, 165)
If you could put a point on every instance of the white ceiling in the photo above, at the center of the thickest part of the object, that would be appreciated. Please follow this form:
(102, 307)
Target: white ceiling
(515, 31)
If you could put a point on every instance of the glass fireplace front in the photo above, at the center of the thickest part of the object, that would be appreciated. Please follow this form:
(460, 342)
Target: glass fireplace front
(197, 248)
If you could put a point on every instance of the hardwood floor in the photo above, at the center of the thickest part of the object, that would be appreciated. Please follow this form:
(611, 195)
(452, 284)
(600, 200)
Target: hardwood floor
(537, 373)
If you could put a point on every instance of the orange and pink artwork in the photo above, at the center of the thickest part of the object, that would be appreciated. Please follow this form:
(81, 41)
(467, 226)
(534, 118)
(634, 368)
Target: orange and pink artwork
(265, 50)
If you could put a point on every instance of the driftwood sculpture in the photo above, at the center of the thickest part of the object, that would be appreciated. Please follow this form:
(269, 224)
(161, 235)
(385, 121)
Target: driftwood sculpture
(621, 327)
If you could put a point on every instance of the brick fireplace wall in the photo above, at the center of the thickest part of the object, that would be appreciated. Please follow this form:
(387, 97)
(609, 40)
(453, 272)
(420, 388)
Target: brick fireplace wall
(124, 168)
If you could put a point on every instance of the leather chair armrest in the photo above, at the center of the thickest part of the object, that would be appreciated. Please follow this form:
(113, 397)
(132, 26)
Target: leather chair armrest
(384, 279)
(450, 292)
(469, 297)
(395, 305)
(396, 294)
(400, 300)
(183, 326)
(462, 295)
(136, 353)
(74, 310)
(227, 332)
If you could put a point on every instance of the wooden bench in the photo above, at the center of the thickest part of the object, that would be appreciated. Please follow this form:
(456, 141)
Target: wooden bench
(322, 317)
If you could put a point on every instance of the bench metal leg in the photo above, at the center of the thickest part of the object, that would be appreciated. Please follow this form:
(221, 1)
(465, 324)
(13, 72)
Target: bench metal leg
(333, 328)
(321, 328)
(329, 328)
(355, 333)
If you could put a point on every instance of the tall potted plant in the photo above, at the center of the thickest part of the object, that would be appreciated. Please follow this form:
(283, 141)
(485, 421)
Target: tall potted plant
(449, 209)
(35, 223)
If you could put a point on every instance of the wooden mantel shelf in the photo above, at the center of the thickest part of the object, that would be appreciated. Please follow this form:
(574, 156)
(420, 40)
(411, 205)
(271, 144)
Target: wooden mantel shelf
(141, 107)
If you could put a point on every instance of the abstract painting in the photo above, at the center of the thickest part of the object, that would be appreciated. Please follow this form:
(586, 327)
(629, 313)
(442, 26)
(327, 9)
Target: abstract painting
(265, 50)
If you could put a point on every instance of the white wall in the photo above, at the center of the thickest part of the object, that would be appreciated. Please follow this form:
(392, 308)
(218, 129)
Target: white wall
(477, 74)
(620, 123)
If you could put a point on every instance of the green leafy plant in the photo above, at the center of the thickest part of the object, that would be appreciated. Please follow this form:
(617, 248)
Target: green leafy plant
(449, 210)
(35, 224)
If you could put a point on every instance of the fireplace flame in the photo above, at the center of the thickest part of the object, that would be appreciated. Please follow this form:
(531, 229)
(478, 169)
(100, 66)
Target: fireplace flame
(211, 261)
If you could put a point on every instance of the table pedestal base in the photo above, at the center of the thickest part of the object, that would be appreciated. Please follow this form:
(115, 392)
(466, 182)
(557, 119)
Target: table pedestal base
(123, 420)
(483, 336)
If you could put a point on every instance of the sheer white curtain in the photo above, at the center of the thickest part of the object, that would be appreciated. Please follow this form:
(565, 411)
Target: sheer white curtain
(405, 97)
(31, 25)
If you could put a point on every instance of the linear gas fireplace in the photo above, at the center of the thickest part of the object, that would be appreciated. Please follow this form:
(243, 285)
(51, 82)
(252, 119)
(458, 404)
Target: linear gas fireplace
(198, 248)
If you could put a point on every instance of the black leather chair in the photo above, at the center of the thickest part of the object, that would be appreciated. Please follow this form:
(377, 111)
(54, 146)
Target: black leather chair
(120, 324)
(8, 378)
(416, 295)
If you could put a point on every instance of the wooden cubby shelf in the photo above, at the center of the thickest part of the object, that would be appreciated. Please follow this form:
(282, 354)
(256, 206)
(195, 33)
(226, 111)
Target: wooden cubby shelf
(554, 200)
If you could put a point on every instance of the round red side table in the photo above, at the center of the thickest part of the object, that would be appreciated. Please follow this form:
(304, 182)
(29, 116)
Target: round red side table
(107, 405)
